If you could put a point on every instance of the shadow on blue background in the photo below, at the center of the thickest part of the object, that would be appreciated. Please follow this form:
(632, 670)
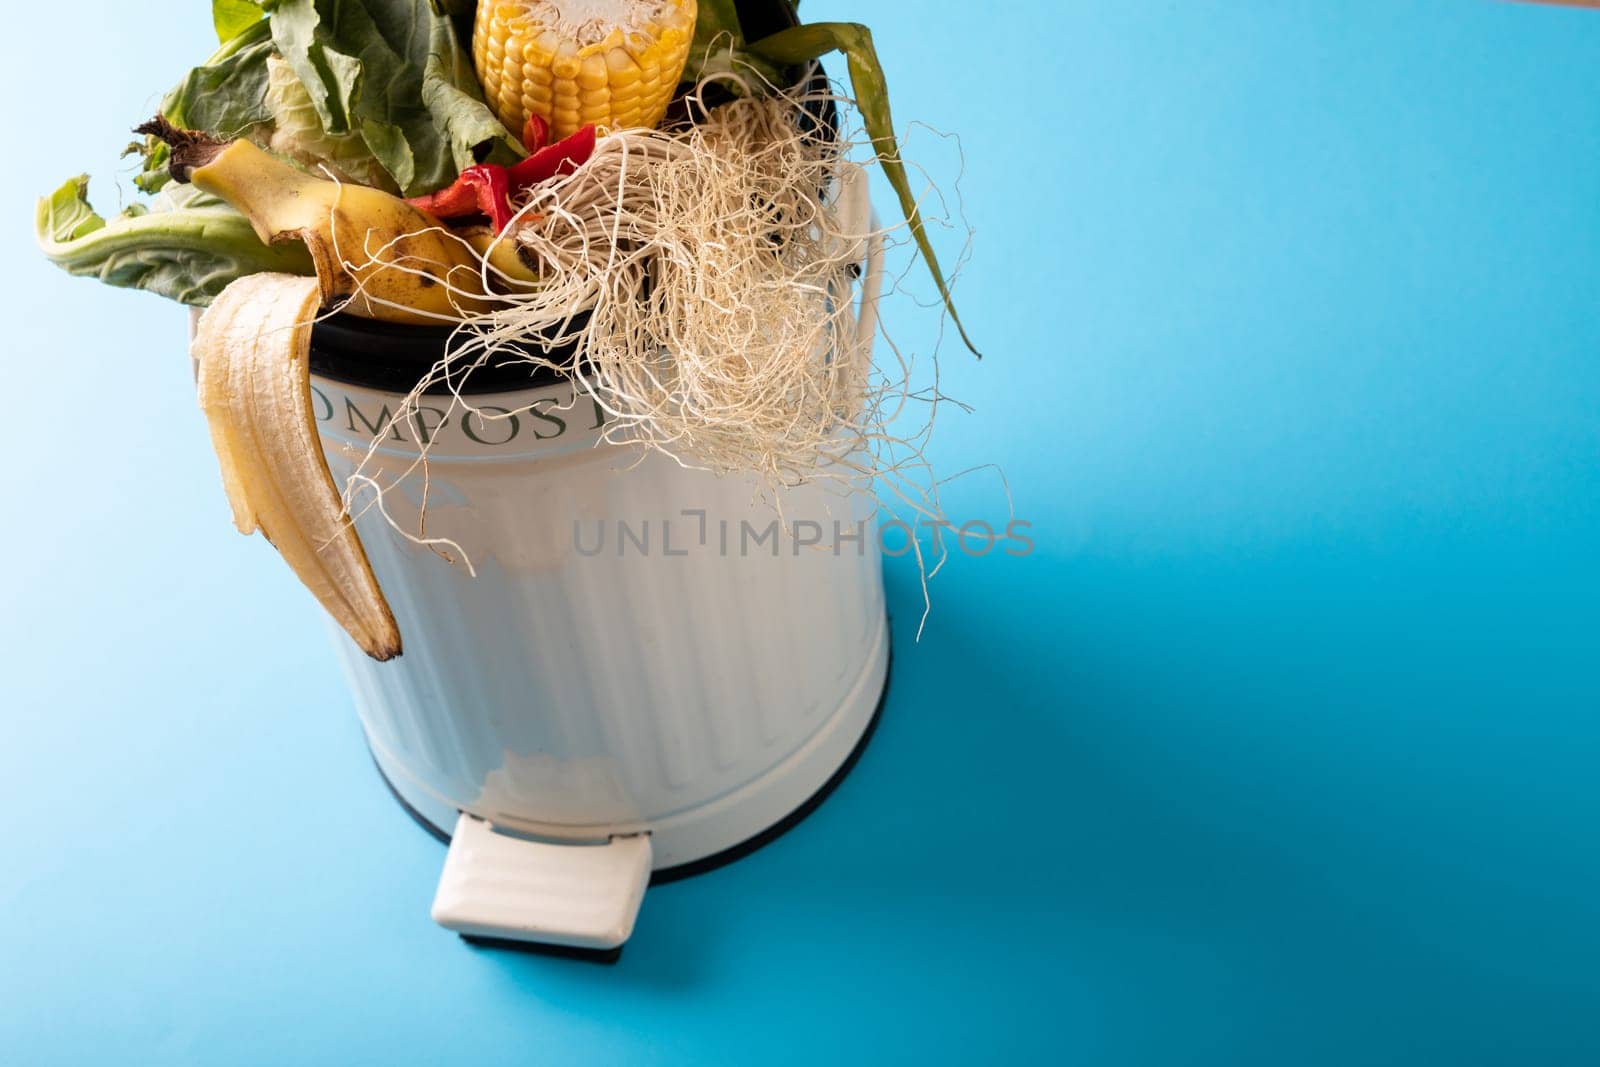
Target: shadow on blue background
(1281, 748)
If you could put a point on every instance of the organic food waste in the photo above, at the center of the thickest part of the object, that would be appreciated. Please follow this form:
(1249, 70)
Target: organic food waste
(636, 182)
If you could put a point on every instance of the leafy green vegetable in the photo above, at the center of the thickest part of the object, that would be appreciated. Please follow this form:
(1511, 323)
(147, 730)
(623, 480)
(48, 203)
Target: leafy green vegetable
(719, 46)
(186, 245)
(224, 96)
(233, 17)
(801, 44)
(298, 134)
(384, 88)
(392, 72)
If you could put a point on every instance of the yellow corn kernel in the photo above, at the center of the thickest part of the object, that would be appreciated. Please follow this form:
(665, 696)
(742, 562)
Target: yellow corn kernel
(571, 62)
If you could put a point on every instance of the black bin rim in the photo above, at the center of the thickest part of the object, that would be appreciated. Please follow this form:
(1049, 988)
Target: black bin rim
(394, 357)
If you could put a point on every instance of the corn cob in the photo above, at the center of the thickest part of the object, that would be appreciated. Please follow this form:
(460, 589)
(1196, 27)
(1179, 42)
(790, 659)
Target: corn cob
(615, 63)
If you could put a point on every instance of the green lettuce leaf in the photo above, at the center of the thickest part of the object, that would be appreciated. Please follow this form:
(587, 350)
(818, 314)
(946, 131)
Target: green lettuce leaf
(224, 96)
(386, 95)
(185, 245)
(233, 17)
(296, 133)
(394, 73)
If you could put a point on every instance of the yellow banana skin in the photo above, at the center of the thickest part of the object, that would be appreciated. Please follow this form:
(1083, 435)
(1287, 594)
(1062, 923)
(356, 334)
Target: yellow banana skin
(252, 347)
(374, 253)
(507, 272)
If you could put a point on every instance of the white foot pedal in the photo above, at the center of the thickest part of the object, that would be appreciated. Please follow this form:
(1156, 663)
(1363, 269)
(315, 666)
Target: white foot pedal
(498, 887)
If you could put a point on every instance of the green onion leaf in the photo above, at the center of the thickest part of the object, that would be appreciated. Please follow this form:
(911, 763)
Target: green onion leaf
(801, 44)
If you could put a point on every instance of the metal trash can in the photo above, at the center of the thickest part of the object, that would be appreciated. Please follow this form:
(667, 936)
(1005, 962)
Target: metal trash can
(653, 669)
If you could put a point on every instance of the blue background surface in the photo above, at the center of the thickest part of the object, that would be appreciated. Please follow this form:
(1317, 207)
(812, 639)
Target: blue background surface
(1281, 748)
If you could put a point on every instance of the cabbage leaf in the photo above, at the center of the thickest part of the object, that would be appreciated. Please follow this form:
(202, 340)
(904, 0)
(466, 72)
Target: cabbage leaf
(186, 244)
(387, 82)
(224, 96)
(297, 134)
(393, 72)
(233, 17)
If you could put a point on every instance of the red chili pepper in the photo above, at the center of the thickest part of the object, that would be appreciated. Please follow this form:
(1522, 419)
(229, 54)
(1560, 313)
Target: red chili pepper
(535, 133)
(494, 195)
(563, 157)
(487, 188)
(480, 189)
(454, 200)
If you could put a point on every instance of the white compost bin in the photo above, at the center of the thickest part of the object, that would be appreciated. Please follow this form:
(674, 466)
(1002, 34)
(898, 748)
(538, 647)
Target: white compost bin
(650, 672)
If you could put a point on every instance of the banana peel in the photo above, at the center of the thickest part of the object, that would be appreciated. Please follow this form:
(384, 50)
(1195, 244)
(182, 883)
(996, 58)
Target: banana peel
(508, 271)
(253, 349)
(375, 255)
